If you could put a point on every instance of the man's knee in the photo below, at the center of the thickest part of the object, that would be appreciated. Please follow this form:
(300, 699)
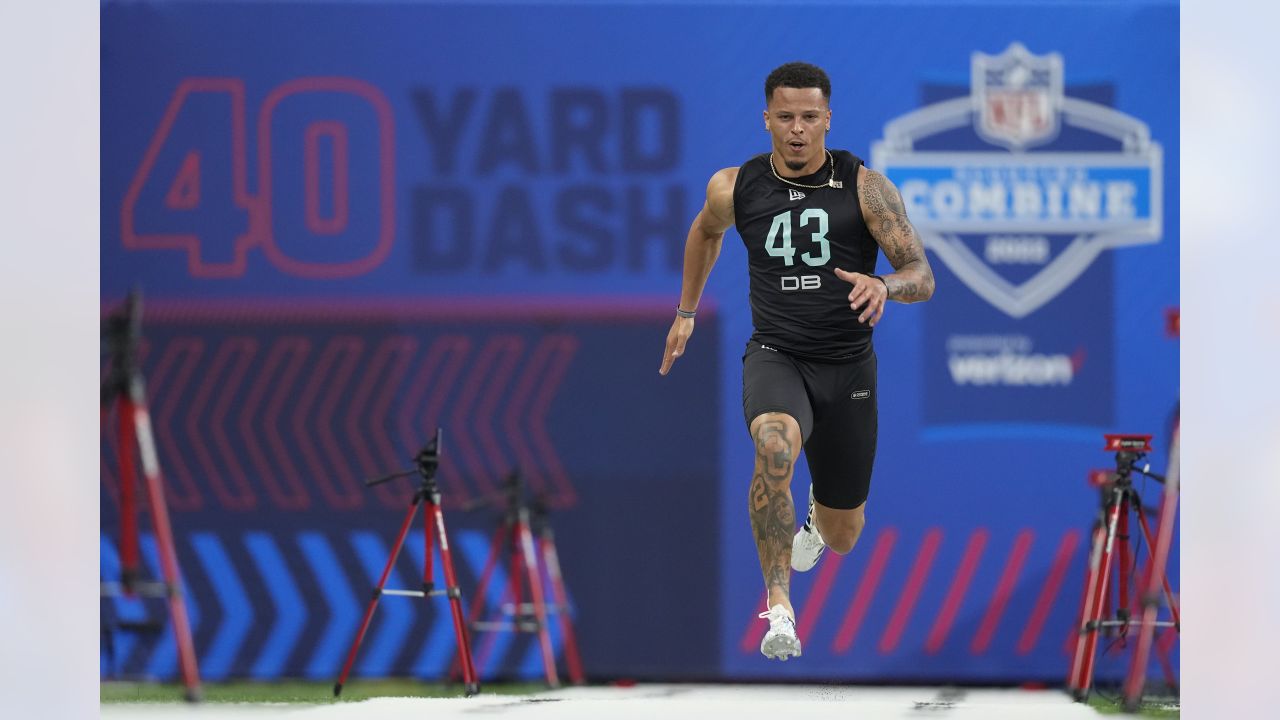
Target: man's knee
(777, 439)
(844, 531)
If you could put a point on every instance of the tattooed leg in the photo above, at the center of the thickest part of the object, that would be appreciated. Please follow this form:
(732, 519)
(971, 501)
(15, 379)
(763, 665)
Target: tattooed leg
(773, 515)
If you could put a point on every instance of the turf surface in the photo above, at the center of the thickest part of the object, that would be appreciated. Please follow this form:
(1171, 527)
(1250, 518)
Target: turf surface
(304, 692)
(1159, 707)
(298, 691)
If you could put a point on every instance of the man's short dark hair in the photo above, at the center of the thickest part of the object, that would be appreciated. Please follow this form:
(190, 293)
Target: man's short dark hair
(798, 75)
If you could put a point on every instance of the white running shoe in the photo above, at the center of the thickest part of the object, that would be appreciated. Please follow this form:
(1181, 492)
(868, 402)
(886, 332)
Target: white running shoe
(780, 642)
(807, 545)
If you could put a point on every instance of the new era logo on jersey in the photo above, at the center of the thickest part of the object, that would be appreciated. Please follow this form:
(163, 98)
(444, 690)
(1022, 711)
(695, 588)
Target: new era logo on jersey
(797, 195)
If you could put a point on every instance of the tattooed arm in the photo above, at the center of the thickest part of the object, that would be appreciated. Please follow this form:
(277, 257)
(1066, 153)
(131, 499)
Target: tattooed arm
(701, 248)
(886, 218)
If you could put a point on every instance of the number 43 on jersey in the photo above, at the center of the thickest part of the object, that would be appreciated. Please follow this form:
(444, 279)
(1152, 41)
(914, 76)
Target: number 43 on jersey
(778, 244)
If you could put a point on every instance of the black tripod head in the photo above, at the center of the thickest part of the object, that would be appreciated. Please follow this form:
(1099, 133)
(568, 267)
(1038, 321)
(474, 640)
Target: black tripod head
(426, 463)
(121, 336)
(510, 501)
(122, 329)
(428, 459)
(513, 489)
(1131, 450)
(540, 510)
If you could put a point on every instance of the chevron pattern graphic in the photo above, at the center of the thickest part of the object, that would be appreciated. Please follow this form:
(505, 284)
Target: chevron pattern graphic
(293, 422)
(287, 605)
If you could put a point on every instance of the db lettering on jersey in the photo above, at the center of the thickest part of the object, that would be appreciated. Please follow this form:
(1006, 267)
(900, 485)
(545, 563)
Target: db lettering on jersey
(801, 282)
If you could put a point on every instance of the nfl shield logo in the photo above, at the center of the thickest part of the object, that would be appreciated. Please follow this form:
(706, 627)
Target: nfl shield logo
(1017, 96)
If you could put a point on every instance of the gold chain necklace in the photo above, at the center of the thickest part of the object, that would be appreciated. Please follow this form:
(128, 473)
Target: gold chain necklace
(831, 181)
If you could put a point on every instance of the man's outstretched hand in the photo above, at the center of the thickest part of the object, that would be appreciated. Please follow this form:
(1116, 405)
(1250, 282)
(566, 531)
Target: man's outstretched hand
(681, 329)
(869, 294)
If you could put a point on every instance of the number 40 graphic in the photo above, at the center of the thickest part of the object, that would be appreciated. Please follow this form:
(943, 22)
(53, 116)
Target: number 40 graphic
(191, 191)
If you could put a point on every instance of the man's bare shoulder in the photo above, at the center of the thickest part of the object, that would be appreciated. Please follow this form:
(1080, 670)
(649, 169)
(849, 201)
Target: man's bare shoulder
(720, 194)
(868, 176)
(722, 181)
(879, 197)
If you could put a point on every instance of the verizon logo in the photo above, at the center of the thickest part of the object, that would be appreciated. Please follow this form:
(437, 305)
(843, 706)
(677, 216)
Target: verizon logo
(1015, 369)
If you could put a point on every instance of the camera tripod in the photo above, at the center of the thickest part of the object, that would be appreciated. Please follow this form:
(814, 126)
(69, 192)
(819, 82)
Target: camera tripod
(124, 387)
(528, 558)
(1119, 498)
(427, 495)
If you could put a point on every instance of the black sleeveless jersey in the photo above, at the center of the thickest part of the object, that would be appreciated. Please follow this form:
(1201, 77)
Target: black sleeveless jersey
(795, 239)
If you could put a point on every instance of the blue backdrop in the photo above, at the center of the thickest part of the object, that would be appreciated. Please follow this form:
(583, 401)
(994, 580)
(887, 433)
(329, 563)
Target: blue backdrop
(357, 220)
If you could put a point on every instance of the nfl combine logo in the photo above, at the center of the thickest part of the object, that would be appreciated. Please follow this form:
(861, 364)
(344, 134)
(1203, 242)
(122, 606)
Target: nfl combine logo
(1021, 186)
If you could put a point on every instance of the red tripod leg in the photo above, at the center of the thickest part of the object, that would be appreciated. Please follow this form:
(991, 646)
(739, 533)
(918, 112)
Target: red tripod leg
(515, 575)
(1125, 562)
(130, 564)
(539, 600)
(428, 509)
(1106, 604)
(1088, 643)
(1164, 578)
(1075, 677)
(552, 561)
(1136, 678)
(455, 604)
(377, 595)
(139, 426)
(1086, 593)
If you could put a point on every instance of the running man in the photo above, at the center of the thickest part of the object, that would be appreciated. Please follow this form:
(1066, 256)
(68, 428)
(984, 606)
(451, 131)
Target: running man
(812, 220)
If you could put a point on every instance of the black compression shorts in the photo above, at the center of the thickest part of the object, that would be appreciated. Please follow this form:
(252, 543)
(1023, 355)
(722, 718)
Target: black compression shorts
(834, 403)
